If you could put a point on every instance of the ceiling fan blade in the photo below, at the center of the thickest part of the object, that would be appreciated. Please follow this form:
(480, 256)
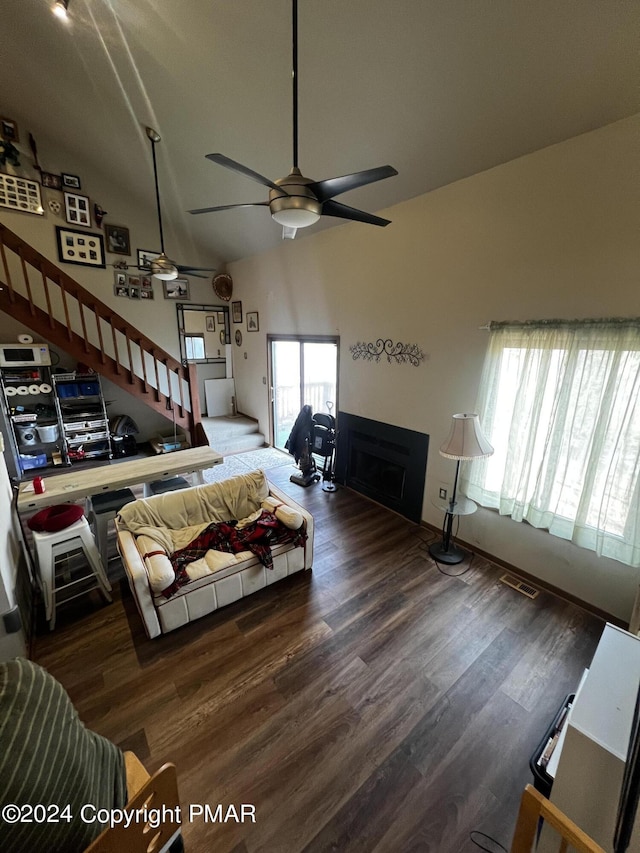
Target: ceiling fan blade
(335, 208)
(188, 271)
(228, 163)
(184, 268)
(229, 207)
(332, 187)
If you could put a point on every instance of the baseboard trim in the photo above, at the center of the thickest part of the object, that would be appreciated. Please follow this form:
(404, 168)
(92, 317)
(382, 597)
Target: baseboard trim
(536, 581)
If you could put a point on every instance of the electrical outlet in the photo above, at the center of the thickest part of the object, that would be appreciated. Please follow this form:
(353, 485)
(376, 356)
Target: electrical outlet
(443, 493)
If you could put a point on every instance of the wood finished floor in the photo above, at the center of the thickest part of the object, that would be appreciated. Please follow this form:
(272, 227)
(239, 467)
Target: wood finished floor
(373, 704)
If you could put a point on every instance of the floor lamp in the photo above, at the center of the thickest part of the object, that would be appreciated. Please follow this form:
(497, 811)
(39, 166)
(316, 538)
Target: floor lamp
(465, 441)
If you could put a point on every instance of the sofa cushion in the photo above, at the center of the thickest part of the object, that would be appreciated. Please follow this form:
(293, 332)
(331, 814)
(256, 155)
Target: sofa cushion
(176, 518)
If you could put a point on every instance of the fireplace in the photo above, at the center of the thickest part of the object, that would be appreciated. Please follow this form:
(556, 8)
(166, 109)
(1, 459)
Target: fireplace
(384, 462)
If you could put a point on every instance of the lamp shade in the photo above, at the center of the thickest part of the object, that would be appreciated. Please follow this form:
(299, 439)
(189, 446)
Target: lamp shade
(466, 440)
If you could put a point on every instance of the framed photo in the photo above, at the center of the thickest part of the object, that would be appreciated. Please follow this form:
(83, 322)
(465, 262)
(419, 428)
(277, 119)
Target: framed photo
(133, 280)
(210, 323)
(145, 256)
(53, 182)
(20, 194)
(134, 293)
(223, 337)
(176, 289)
(120, 279)
(71, 182)
(238, 337)
(252, 321)
(117, 239)
(221, 317)
(146, 281)
(121, 290)
(77, 209)
(236, 312)
(9, 130)
(80, 247)
(146, 293)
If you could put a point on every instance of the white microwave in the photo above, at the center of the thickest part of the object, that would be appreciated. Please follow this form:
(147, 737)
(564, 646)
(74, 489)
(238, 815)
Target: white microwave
(24, 355)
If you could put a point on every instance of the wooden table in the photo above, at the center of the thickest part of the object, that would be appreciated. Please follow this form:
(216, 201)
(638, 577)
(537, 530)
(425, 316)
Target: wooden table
(75, 485)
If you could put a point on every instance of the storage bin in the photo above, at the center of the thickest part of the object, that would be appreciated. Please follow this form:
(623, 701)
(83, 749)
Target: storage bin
(89, 389)
(27, 434)
(68, 389)
(29, 461)
(48, 432)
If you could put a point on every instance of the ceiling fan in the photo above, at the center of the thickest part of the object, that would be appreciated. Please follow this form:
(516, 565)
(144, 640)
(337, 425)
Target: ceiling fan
(163, 267)
(296, 201)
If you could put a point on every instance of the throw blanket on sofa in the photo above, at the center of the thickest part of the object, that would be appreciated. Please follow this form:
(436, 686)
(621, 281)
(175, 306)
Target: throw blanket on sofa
(48, 757)
(258, 537)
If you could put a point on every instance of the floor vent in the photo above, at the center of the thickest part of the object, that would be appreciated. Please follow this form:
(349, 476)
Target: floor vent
(520, 586)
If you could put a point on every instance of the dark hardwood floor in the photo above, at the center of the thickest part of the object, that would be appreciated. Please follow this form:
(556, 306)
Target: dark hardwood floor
(373, 704)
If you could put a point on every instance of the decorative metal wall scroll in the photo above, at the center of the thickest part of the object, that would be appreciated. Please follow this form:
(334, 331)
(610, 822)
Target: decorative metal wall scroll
(399, 352)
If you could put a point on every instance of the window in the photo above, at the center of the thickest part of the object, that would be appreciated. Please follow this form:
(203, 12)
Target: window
(194, 347)
(560, 403)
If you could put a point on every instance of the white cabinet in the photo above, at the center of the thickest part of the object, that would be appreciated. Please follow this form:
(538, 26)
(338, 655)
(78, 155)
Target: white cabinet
(591, 765)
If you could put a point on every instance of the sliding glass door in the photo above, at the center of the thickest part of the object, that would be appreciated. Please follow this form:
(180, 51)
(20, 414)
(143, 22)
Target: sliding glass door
(303, 371)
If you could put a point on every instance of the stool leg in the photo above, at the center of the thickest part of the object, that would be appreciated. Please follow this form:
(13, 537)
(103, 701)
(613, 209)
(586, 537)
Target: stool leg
(93, 556)
(102, 534)
(46, 568)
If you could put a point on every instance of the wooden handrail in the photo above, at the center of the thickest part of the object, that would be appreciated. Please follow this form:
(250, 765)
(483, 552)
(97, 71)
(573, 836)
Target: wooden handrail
(23, 301)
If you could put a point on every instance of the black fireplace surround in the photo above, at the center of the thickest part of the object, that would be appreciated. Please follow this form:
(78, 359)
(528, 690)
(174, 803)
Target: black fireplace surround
(384, 462)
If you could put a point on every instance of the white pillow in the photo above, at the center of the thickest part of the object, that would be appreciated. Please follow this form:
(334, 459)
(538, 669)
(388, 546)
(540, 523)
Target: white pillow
(159, 568)
(290, 517)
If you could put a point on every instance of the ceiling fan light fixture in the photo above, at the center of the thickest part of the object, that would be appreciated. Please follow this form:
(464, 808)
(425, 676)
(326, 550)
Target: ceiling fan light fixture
(164, 268)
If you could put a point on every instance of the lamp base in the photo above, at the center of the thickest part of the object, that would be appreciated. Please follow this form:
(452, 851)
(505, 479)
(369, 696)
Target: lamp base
(449, 555)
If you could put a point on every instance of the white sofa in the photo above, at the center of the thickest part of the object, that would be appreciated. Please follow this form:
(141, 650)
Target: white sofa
(150, 529)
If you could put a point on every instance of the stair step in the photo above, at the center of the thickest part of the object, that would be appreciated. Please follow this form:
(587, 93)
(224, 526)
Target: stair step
(229, 435)
(239, 444)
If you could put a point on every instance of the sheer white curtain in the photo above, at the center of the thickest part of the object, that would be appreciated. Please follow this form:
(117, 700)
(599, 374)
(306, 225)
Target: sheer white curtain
(560, 403)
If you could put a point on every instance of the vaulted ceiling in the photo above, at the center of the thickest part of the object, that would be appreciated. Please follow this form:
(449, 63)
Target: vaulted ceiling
(440, 89)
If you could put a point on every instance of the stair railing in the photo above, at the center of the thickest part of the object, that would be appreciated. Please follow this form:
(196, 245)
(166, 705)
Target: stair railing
(47, 300)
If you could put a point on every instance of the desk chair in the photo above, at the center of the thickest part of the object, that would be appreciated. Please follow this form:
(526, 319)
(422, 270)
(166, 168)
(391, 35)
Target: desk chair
(159, 791)
(534, 806)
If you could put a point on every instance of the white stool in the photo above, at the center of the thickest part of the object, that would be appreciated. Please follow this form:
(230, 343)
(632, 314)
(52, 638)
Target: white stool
(103, 508)
(49, 546)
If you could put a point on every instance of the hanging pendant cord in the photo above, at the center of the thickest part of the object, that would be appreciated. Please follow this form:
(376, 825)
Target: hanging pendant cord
(294, 17)
(155, 175)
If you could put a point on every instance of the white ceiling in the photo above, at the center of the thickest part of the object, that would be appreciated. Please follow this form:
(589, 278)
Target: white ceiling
(439, 89)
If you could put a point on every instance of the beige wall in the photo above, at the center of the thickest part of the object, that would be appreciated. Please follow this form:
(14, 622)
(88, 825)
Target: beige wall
(553, 234)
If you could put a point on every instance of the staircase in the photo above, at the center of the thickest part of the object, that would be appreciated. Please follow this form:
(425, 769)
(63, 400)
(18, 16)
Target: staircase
(229, 435)
(45, 299)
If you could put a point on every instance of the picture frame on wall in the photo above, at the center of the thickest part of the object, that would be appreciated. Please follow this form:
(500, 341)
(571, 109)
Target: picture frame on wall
(176, 289)
(20, 194)
(146, 293)
(121, 290)
(51, 181)
(70, 182)
(221, 318)
(253, 324)
(9, 130)
(236, 312)
(77, 210)
(210, 323)
(145, 256)
(118, 242)
(119, 279)
(134, 293)
(84, 248)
